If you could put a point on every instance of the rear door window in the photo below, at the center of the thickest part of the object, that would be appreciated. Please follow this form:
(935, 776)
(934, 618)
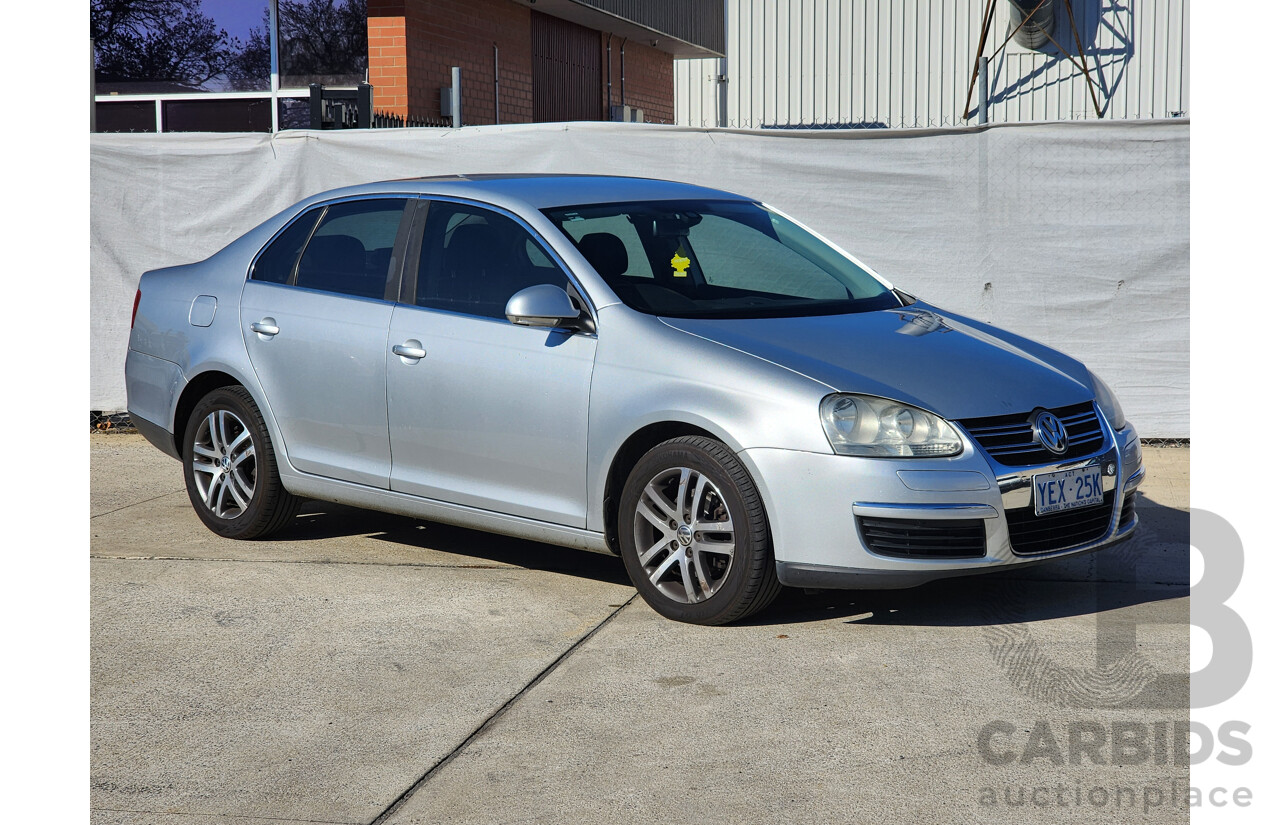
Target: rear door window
(351, 250)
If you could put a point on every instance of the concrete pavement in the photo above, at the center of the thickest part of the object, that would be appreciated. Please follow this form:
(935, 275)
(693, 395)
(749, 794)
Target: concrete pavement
(366, 667)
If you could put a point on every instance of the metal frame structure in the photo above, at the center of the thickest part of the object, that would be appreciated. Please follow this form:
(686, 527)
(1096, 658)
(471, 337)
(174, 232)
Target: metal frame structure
(988, 16)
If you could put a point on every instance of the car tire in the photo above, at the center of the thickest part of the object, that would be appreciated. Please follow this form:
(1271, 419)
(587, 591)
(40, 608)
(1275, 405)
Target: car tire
(694, 535)
(230, 468)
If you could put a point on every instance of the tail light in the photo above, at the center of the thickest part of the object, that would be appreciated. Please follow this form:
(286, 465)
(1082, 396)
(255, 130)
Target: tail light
(137, 296)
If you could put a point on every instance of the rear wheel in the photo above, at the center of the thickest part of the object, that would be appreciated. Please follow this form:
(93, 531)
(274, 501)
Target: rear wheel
(693, 533)
(230, 468)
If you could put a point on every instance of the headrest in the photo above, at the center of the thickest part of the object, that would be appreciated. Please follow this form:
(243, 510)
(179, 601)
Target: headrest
(605, 252)
(472, 246)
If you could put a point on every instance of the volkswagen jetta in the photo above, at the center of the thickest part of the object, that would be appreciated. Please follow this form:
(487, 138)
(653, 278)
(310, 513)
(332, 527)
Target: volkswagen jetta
(681, 376)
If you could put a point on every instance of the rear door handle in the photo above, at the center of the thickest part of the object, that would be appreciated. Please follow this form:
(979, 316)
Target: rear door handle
(267, 327)
(410, 349)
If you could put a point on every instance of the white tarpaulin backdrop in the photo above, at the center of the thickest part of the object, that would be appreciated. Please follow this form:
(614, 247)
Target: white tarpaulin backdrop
(1074, 234)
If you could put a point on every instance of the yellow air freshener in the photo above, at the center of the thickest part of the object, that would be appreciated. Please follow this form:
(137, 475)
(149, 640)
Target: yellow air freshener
(679, 263)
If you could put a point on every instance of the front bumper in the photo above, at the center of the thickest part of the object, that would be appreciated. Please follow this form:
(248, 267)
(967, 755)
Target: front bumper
(820, 504)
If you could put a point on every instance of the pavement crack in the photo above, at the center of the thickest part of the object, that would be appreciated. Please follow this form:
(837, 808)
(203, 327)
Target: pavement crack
(495, 716)
(135, 504)
(254, 817)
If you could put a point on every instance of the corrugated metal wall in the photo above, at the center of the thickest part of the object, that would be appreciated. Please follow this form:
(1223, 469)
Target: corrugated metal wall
(566, 70)
(700, 22)
(907, 63)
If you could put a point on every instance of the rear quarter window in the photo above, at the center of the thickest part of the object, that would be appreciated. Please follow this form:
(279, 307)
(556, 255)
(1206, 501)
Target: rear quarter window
(277, 261)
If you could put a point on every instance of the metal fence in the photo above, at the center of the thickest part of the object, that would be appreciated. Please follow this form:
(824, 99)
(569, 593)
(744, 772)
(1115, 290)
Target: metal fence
(389, 120)
(110, 422)
(352, 108)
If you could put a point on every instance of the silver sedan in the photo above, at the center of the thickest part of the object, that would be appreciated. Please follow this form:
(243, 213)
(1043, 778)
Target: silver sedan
(681, 376)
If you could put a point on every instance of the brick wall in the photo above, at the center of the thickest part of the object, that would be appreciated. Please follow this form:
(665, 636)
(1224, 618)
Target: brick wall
(447, 33)
(387, 56)
(650, 79)
(413, 44)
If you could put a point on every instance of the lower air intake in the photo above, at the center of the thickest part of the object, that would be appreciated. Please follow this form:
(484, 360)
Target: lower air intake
(924, 538)
(1031, 534)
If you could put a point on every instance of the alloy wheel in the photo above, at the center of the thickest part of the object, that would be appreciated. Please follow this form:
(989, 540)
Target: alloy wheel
(684, 535)
(224, 464)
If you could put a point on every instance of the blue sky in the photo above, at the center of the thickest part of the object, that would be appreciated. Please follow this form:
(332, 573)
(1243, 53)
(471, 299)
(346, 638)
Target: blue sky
(236, 16)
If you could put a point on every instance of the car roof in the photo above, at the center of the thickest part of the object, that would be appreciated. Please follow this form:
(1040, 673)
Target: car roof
(542, 191)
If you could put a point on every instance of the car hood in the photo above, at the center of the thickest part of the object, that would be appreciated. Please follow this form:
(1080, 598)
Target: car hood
(917, 354)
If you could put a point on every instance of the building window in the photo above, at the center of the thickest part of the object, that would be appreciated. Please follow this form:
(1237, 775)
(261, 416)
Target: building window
(323, 41)
(179, 46)
(207, 65)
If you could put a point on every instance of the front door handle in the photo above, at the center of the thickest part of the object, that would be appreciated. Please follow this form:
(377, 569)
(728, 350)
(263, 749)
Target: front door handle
(267, 327)
(410, 350)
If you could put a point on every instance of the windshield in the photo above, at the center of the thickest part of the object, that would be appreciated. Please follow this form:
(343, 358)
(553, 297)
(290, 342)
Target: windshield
(717, 259)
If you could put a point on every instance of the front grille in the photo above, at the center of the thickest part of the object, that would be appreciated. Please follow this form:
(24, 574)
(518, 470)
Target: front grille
(1127, 508)
(1031, 534)
(1009, 438)
(924, 538)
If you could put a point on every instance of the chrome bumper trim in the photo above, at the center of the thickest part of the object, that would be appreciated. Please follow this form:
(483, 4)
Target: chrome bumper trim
(923, 511)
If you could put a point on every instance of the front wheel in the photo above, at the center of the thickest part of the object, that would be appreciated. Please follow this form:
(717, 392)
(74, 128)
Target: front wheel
(693, 533)
(230, 468)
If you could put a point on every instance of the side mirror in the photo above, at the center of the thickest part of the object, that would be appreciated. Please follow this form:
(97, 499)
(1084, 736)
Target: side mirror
(542, 305)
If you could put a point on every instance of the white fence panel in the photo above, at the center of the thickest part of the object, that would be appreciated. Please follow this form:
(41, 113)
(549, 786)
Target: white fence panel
(1075, 234)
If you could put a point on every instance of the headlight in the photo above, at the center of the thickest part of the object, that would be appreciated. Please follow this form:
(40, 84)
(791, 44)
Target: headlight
(1108, 402)
(864, 425)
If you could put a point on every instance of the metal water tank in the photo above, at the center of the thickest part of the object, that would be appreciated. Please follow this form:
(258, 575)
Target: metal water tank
(1039, 21)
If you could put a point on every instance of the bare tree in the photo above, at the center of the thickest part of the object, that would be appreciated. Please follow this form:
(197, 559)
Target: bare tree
(174, 41)
(250, 67)
(320, 41)
(157, 40)
(323, 39)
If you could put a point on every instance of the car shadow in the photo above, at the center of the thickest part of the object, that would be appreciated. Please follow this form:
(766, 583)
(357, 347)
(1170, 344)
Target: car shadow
(325, 520)
(1153, 566)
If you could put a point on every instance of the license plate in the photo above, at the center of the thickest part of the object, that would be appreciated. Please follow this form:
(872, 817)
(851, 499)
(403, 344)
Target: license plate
(1067, 490)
